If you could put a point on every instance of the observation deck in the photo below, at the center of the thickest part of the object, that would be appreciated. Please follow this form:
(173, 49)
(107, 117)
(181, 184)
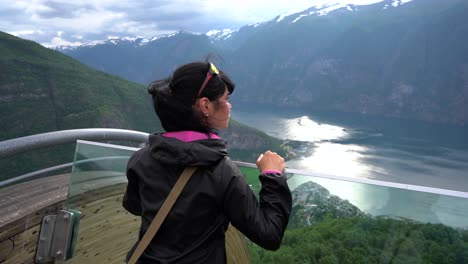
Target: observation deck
(335, 219)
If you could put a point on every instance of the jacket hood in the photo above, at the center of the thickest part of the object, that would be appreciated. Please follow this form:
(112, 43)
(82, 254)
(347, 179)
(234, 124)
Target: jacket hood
(172, 151)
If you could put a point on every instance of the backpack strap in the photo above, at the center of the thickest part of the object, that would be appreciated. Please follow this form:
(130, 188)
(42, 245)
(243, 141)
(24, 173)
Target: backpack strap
(162, 213)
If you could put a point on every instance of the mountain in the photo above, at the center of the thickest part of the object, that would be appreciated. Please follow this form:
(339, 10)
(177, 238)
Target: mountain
(43, 90)
(142, 60)
(405, 61)
(313, 203)
(394, 58)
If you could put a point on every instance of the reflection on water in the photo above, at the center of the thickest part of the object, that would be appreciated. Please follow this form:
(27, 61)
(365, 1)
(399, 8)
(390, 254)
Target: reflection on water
(304, 129)
(336, 159)
(380, 149)
(326, 155)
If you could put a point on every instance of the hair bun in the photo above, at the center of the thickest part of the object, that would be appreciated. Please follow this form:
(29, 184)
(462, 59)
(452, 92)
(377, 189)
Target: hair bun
(158, 85)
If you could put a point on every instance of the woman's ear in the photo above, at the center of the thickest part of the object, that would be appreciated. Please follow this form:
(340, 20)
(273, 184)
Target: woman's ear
(204, 105)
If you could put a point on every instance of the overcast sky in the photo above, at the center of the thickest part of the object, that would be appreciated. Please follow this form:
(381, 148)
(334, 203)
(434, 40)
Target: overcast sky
(65, 22)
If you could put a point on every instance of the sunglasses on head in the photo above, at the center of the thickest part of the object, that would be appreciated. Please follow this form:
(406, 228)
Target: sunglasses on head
(212, 71)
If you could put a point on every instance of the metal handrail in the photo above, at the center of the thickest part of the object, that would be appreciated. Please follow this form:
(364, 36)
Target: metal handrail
(14, 146)
(402, 186)
(28, 143)
(46, 172)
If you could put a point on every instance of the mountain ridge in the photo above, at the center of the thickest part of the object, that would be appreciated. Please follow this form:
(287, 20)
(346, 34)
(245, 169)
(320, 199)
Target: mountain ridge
(225, 33)
(393, 58)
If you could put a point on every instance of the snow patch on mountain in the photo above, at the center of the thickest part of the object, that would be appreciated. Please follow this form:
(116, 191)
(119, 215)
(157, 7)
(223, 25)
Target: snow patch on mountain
(326, 9)
(396, 3)
(136, 41)
(319, 10)
(297, 18)
(283, 16)
(220, 34)
(163, 36)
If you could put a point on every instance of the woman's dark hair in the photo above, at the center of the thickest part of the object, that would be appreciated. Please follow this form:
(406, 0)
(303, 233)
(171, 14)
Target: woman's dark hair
(174, 97)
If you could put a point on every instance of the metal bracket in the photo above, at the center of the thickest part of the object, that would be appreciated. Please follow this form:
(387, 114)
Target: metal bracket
(58, 236)
(45, 239)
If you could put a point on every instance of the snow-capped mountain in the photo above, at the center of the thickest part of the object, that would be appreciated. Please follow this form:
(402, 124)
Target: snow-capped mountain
(220, 35)
(396, 57)
(335, 7)
(127, 41)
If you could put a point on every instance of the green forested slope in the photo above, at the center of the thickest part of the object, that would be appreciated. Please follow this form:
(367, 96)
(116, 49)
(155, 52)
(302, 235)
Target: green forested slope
(368, 240)
(42, 90)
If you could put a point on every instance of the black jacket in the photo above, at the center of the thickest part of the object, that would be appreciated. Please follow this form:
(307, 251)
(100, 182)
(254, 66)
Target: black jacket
(216, 194)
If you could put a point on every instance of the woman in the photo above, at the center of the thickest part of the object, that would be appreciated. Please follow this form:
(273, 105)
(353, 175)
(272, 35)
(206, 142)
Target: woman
(192, 105)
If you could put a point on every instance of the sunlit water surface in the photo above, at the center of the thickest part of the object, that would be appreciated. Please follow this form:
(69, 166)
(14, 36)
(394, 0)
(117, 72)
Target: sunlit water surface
(365, 152)
(401, 154)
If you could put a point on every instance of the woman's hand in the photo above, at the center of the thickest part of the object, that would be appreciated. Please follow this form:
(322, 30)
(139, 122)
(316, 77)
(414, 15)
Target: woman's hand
(270, 161)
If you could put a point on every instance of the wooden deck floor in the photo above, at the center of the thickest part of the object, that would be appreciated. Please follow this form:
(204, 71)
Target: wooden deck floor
(106, 231)
(22, 207)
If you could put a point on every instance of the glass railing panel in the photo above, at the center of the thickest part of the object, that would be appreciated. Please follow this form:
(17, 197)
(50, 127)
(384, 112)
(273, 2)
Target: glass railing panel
(97, 165)
(397, 202)
(98, 182)
(251, 175)
(40, 163)
(337, 221)
(333, 220)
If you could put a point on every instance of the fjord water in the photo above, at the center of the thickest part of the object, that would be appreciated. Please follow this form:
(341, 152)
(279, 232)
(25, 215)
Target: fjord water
(384, 149)
(364, 146)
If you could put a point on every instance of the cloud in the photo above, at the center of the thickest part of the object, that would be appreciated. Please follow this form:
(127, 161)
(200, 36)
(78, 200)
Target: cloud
(166, 15)
(40, 20)
(56, 9)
